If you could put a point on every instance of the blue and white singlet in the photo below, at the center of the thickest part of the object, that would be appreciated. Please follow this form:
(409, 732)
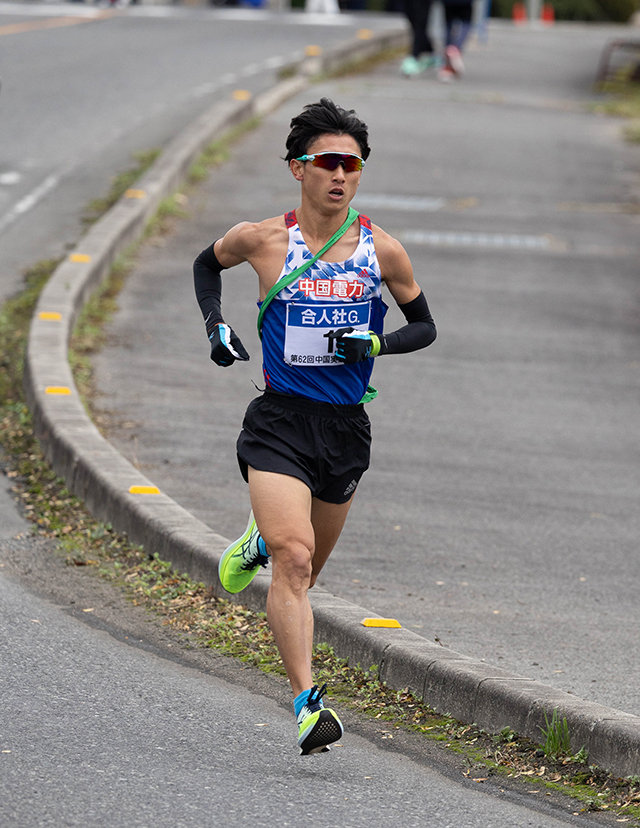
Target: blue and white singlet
(297, 356)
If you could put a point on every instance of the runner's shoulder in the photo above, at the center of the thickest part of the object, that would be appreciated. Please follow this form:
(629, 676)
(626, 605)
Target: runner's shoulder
(247, 238)
(389, 250)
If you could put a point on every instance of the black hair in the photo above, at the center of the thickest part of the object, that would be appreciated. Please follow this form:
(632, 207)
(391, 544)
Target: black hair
(325, 118)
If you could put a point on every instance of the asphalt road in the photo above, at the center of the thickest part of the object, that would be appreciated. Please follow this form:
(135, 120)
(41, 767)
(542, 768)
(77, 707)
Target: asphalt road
(109, 720)
(106, 719)
(106, 731)
(79, 100)
(500, 513)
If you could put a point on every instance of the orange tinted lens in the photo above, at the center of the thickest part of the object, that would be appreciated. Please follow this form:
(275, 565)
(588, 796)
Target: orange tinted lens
(352, 163)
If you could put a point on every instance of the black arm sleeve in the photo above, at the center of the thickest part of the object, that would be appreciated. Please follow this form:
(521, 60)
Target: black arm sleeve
(207, 281)
(420, 332)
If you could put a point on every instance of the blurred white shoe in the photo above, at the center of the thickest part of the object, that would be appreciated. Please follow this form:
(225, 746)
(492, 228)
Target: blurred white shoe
(454, 59)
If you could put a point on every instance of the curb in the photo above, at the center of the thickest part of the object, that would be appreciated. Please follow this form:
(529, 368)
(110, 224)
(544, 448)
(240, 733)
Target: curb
(115, 491)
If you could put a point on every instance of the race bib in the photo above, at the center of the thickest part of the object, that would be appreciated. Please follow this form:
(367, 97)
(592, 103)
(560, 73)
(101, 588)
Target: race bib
(305, 342)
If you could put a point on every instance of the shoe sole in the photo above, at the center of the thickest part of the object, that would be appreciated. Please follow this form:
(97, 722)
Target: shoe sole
(229, 553)
(326, 730)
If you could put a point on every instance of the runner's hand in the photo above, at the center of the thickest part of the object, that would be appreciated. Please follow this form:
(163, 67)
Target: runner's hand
(226, 346)
(354, 346)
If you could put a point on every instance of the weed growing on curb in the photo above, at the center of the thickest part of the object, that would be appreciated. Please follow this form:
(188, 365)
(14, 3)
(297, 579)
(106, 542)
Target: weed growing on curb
(622, 101)
(365, 64)
(120, 184)
(15, 318)
(557, 742)
(88, 335)
(217, 152)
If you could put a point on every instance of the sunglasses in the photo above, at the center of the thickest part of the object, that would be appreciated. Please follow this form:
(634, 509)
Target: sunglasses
(331, 160)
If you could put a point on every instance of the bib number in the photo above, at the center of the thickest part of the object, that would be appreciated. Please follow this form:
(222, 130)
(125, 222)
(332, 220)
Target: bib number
(305, 342)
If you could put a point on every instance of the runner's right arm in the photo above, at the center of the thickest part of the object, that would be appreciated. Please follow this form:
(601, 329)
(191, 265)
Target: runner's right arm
(226, 346)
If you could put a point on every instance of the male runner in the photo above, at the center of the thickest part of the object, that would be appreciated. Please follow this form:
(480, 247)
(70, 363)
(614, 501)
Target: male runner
(305, 442)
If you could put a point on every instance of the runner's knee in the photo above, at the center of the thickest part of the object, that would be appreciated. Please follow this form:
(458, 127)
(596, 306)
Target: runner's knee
(292, 563)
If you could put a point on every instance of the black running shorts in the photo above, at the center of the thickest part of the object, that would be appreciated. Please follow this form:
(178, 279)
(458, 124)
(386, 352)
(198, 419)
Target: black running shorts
(326, 446)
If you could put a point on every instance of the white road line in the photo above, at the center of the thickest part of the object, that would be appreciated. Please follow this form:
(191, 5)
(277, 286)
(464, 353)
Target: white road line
(229, 78)
(8, 179)
(275, 62)
(250, 69)
(406, 203)
(233, 78)
(29, 201)
(494, 241)
(203, 89)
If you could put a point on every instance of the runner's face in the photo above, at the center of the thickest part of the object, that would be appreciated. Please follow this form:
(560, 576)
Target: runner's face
(329, 189)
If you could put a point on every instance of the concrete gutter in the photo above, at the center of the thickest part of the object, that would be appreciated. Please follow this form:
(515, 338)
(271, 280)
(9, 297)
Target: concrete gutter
(115, 491)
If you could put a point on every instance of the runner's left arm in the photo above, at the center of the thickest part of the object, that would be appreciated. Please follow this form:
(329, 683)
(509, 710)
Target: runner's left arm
(354, 346)
(419, 332)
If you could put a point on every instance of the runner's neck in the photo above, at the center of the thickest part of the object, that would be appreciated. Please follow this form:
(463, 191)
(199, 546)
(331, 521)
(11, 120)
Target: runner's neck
(317, 229)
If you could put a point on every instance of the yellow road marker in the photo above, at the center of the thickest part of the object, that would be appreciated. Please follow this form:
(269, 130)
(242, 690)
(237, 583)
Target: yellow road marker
(313, 51)
(50, 316)
(364, 34)
(59, 390)
(241, 94)
(464, 203)
(146, 490)
(135, 194)
(80, 257)
(381, 622)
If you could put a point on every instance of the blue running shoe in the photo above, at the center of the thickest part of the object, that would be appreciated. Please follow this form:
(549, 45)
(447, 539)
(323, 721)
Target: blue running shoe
(318, 726)
(241, 560)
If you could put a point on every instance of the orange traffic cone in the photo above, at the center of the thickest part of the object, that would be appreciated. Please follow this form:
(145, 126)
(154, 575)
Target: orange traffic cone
(548, 15)
(519, 13)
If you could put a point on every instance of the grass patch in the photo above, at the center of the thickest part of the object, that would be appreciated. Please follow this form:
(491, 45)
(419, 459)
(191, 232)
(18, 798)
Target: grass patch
(89, 334)
(217, 152)
(15, 318)
(120, 184)
(365, 64)
(622, 101)
(557, 741)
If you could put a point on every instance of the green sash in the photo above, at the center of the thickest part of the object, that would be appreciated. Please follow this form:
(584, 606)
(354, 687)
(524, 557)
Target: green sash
(352, 215)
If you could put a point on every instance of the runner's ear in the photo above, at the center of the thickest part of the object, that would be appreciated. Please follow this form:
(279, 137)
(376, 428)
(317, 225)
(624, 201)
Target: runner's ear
(297, 169)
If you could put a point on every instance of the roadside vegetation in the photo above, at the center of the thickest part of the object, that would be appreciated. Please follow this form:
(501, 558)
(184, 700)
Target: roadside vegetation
(119, 185)
(199, 619)
(622, 100)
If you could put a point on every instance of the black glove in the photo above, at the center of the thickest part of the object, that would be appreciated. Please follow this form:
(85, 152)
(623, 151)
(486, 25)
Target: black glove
(226, 346)
(354, 346)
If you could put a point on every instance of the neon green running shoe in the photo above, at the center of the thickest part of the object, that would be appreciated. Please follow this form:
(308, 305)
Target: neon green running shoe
(241, 560)
(318, 726)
